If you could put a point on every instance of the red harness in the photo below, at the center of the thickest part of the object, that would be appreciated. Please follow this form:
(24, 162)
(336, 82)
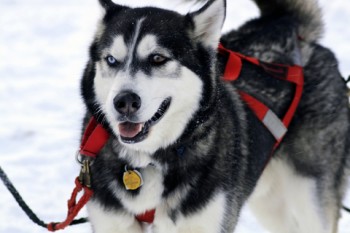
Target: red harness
(95, 136)
(293, 74)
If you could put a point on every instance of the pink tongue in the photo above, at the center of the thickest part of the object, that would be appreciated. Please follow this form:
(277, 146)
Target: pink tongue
(129, 130)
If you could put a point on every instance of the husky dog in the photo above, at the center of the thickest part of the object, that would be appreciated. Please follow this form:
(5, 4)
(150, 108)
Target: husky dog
(154, 80)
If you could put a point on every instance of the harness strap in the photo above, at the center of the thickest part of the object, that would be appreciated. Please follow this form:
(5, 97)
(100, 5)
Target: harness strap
(296, 76)
(293, 74)
(266, 116)
(234, 63)
(94, 138)
(147, 217)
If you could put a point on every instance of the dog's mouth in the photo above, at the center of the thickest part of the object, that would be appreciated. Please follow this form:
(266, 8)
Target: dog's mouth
(131, 132)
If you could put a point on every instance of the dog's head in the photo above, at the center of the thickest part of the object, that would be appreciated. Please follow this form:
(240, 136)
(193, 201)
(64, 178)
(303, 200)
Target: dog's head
(151, 70)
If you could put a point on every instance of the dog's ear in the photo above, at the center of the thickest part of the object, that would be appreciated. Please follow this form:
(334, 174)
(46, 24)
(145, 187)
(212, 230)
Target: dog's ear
(106, 4)
(109, 5)
(208, 22)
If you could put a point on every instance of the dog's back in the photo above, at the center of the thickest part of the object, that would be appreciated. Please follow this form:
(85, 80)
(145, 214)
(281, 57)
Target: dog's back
(301, 189)
(303, 186)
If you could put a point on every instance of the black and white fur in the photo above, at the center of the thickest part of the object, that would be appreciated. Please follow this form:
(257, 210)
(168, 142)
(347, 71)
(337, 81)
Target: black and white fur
(154, 81)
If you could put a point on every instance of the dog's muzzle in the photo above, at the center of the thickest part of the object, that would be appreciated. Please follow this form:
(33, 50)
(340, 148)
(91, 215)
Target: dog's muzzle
(127, 104)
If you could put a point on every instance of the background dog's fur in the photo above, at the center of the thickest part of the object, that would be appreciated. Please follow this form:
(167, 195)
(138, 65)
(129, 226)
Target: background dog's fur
(311, 159)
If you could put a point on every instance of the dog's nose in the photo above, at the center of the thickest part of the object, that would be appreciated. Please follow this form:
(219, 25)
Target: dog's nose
(127, 103)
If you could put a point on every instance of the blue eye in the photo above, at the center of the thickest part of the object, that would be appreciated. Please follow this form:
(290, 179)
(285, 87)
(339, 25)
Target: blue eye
(111, 60)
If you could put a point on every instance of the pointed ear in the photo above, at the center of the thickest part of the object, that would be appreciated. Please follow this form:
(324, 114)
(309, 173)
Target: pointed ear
(109, 5)
(208, 22)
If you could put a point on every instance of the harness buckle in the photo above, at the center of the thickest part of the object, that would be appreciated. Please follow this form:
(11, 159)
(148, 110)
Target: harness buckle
(85, 173)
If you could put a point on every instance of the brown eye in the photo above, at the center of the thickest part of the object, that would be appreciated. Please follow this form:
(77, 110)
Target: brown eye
(157, 59)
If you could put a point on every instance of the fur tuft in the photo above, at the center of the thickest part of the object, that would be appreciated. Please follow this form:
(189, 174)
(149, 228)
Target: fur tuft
(306, 12)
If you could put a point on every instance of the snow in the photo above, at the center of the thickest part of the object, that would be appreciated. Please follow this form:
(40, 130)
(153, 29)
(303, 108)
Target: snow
(43, 50)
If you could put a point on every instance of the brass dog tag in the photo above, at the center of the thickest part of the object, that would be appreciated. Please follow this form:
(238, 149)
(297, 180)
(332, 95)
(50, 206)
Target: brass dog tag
(132, 179)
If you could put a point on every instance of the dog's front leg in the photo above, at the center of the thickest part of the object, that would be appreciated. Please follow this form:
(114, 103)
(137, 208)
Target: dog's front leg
(111, 221)
(163, 222)
(209, 218)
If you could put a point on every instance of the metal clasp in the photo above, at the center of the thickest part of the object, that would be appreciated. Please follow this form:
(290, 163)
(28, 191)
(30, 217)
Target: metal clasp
(85, 173)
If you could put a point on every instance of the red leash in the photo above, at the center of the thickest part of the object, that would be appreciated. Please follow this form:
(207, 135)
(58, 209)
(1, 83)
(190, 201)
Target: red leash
(94, 138)
(73, 206)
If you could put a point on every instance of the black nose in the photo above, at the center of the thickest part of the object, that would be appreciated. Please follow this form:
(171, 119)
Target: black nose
(127, 102)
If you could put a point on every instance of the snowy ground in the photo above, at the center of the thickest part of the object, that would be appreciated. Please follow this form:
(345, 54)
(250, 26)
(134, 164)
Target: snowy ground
(43, 49)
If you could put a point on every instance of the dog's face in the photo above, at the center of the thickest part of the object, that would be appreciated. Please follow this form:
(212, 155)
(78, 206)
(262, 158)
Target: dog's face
(150, 67)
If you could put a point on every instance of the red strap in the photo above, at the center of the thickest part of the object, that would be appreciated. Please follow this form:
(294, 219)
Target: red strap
(147, 217)
(89, 129)
(250, 59)
(94, 138)
(73, 206)
(293, 74)
(255, 105)
(233, 70)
